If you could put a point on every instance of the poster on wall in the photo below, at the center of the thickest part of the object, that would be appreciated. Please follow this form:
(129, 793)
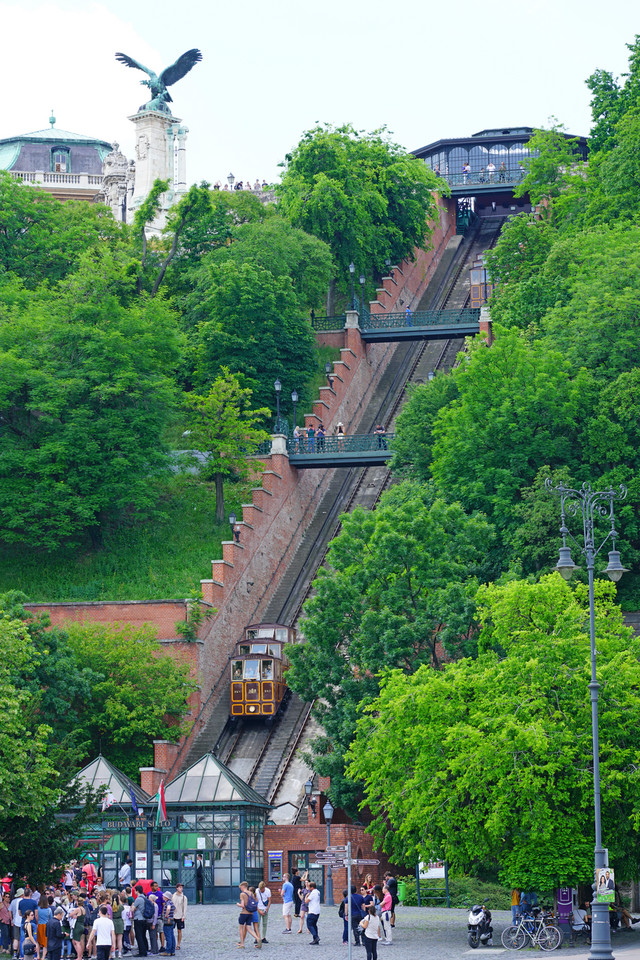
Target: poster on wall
(605, 886)
(141, 864)
(201, 843)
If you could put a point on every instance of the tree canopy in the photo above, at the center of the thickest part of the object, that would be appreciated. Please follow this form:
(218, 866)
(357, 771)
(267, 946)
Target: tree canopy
(489, 760)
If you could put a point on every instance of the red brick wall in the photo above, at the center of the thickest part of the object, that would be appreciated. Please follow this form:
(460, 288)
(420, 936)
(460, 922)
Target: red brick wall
(288, 838)
(161, 614)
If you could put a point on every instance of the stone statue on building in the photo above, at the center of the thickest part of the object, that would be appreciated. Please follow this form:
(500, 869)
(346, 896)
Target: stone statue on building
(160, 96)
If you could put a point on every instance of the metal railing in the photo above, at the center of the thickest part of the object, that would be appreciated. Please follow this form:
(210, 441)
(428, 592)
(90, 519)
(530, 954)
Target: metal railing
(329, 323)
(510, 175)
(422, 318)
(361, 443)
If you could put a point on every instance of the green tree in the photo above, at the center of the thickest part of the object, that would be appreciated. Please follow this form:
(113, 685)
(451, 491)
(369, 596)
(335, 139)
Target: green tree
(489, 760)
(248, 320)
(554, 166)
(611, 99)
(519, 408)
(85, 392)
(27, 773)
(225, 428)
(397, 592)
(596, 323)
(42, 239)
(141, 694)
(413, 445)
(284, 251)
(364, 195)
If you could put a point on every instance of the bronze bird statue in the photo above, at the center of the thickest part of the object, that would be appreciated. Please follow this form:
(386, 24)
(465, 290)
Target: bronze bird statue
(160, 96)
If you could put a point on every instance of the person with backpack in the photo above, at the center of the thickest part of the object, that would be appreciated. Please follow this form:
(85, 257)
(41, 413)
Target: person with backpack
(142, 911)
(356, 912)
(248, 906)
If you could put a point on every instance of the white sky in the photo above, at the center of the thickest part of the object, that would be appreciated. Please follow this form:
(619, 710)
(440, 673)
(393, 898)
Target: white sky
(272, 69)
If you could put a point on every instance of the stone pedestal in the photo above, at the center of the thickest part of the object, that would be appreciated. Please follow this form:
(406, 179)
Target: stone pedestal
(160, 155)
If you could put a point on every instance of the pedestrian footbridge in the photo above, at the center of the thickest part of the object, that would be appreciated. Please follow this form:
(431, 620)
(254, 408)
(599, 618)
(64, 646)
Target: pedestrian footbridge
(422, 325)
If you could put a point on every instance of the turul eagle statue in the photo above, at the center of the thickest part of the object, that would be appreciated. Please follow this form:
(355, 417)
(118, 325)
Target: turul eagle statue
(160, 96)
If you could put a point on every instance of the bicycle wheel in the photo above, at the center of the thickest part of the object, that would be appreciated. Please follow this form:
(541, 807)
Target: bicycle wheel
(513, 938)
(549, 938)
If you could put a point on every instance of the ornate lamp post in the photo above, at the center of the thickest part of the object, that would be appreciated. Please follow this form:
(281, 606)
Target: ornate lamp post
(311, 801)
(294, 399)
(328, 817)
(328, 369)
(590, 504)
(352, 270)
(277, 387)
(363, 280)
(231, 180)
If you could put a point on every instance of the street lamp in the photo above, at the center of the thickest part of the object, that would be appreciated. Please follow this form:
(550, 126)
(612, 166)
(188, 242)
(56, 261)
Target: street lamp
(352, 270)
(294, 399)
(311, 801)
(431, 375)
(387, 264)
(328, 817)
(232, 523)
(277, 387)
(363, 280)
(591, 504)
(328, 369)
(231, 180)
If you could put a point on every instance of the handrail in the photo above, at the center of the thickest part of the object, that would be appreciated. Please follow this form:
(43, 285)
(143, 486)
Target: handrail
(304, 446)
(509, 176)
(329, 323)
(422, 318)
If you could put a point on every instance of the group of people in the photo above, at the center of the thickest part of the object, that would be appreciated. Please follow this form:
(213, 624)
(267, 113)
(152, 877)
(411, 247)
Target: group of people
(241, 185)
(311, 439)
(79, 917)
(369, 914)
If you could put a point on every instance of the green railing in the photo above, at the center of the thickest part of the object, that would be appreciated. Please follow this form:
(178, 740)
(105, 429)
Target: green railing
(339, 445)
(422, 318)
(329, 323)
(510, 176)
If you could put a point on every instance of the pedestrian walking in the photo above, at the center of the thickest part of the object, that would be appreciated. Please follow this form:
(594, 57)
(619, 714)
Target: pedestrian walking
(248, 906)
(313, 912)
(287, 902)
(372, 932)
(263, 896)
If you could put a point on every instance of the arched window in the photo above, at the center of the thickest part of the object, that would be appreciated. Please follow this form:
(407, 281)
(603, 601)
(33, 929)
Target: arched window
(60, 160)
(457, 157)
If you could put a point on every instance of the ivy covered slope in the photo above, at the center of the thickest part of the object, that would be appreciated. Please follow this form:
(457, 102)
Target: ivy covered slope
(452, 680)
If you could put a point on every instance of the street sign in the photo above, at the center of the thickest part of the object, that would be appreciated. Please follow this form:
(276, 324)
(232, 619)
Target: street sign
(338, 848)
(365, 863)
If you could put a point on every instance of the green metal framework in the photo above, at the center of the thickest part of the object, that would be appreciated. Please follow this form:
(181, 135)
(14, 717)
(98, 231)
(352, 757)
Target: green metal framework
(422, 318)
(507, 178)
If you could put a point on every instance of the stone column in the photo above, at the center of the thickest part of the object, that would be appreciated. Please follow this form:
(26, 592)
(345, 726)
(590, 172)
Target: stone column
(180, 159)
(154, 158)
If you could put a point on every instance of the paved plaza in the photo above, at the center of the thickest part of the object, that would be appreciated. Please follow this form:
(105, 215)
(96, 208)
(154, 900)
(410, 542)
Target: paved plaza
(440, 934)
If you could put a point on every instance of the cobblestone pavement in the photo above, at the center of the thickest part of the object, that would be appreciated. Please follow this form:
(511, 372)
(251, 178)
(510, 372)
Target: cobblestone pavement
(436, 934)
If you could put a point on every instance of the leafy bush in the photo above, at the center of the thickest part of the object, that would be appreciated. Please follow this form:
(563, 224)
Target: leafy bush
(463, 892)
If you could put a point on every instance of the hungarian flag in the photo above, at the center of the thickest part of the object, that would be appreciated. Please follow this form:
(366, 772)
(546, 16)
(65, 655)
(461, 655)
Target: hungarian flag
(162, 809)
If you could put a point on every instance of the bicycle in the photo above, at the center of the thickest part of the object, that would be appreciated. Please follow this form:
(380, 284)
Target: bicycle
(537, 931)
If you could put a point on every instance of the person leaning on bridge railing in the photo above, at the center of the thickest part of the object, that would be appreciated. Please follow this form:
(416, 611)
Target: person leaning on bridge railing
(338, 432)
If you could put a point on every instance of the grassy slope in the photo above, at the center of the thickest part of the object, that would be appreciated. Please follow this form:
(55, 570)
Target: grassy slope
(155, 559)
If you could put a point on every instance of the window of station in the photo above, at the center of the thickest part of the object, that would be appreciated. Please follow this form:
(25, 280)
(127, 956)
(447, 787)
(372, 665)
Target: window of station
(251, 669)
(60, 161)
(498, 153)
(236, 670)
(478, 158)
(267, 669)
(457, 158)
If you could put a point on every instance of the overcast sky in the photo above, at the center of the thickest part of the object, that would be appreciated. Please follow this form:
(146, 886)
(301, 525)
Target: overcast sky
(271, 70)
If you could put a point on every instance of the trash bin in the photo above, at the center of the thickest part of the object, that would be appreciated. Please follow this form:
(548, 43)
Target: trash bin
(402, 890)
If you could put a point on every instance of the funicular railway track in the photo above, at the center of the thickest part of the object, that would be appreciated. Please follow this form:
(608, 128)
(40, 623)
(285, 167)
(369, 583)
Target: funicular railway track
(261, 753)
